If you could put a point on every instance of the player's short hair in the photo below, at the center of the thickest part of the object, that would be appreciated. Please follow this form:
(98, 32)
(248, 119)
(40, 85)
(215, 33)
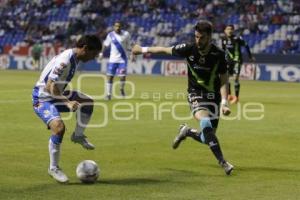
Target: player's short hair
(91, 41)
(119, 22)
(204, 26)
(229, 25)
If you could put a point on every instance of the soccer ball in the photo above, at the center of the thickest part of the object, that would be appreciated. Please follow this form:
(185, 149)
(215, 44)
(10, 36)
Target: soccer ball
(87, 171)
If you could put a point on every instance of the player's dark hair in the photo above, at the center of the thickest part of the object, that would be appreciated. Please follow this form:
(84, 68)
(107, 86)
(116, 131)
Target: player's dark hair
(230, 25)
(91, 41)
(204, 27)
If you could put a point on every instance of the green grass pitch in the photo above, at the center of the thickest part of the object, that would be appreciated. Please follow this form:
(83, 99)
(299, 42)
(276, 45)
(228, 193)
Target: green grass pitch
(135, 156)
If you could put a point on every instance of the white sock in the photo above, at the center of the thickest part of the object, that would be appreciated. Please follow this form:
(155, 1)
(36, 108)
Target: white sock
(54, 152)
(122, 85)
(108, 88)
(82, 121)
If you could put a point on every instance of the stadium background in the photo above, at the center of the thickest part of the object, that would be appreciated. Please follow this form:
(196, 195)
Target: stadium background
(271, 28)
(135, 157)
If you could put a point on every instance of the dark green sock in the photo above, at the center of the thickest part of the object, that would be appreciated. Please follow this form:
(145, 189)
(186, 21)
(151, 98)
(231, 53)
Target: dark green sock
(237, 88)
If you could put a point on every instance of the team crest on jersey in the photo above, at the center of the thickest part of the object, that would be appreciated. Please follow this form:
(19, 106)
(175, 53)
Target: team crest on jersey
(202, 60)
(59, 70)
(46, 113)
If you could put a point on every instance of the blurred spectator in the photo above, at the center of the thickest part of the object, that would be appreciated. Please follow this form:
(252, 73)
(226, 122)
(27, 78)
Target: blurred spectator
(57, 20)
(289, 46)
(36, 53)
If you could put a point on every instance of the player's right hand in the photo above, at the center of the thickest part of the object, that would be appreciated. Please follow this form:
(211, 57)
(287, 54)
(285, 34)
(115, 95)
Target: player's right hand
(225, 110)
(136, 49)
(73, 105)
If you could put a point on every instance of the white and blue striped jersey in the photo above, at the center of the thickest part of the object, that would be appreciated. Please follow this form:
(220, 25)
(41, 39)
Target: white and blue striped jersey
(124, 39)
(60, 69)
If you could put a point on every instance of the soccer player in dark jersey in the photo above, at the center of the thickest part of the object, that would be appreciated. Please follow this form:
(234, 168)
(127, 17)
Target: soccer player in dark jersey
(232, 44)
(207, 87)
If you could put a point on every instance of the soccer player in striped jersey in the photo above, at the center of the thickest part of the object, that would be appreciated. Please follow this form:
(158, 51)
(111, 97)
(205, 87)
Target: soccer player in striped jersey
(120, 43)
(49, 98)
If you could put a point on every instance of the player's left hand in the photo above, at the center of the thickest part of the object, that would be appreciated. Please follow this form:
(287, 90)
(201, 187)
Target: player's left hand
(136, 49)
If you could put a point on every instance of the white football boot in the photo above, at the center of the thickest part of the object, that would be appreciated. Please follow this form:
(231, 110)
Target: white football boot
(58, 175)
(227, 167)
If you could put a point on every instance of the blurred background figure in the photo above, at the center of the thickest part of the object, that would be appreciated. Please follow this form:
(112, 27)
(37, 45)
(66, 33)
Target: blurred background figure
(36, 53)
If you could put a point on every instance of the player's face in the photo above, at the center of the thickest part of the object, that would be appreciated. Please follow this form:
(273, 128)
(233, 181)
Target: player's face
(228, 31)
(117, 27)
(202, 39)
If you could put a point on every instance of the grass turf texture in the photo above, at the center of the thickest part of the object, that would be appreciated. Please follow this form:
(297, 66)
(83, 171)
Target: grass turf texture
(135, 156)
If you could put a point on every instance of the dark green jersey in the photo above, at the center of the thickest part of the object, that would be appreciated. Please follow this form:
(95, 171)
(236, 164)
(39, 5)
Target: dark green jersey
(232, 47)
(203, 70)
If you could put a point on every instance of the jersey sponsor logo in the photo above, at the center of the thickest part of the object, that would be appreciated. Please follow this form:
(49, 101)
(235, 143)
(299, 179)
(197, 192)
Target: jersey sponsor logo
(59, 70)
(196, 66)
(191, 58)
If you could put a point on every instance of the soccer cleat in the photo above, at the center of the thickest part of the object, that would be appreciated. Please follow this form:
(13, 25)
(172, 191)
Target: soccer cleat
(122, 91)
(108, 97)
(234, 100)
(83, 141)
(58, 175)
(183, 129)
(227, 167)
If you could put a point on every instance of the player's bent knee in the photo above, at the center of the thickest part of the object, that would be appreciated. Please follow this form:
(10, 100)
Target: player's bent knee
(57, 127)
(88, 107)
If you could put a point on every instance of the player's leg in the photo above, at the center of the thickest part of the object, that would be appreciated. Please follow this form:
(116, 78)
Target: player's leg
(198, 105)
(109, 86)
(122, 72)
(83, 116)
(237, 85)
(207, 114)
(208, 124)
(122, 85)
(230, 72)
(111, 72)
(49, 114)
(207, 133)
(58, 129)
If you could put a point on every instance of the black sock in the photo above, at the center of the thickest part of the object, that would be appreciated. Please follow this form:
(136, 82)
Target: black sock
(212, 141)
(237, 88)
(193, 133)
(229, 88)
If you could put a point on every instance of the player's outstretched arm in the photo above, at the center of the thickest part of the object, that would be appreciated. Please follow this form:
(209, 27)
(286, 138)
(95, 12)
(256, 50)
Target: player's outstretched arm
(137, 49)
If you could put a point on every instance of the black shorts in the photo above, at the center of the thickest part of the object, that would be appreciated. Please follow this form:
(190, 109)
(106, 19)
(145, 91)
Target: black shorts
(234, 68)
(206, 101)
